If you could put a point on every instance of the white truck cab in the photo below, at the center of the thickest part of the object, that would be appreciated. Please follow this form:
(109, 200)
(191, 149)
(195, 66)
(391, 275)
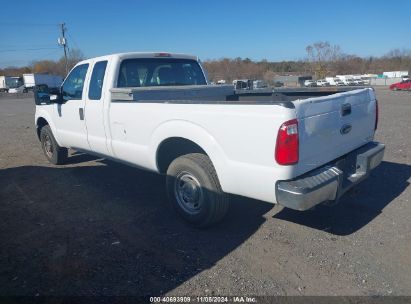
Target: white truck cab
(16, 85)
(156, 111)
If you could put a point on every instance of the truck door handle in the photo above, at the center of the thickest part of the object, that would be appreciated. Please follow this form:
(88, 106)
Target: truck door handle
(81, 113)
(345, 129)
(345, 109)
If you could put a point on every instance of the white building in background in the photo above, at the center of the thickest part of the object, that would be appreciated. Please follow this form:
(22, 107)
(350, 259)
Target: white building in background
(395, 74)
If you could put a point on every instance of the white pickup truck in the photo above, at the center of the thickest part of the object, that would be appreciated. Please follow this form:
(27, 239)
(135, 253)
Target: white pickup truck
(156, 111)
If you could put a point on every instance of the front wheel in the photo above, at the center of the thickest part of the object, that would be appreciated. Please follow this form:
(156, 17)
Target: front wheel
(54, 153)
(194, 190)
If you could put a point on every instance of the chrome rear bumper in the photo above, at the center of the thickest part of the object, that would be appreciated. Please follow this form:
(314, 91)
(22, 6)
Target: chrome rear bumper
(330, 182)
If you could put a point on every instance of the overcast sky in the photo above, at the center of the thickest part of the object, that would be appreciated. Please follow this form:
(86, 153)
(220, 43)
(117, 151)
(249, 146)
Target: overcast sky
(274, 30)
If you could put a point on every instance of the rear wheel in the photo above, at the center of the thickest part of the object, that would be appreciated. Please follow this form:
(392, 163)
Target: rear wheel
(194, 190)
(54, 153)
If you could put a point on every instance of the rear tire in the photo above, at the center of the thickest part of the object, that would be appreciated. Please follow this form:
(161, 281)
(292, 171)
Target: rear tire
(194, 190)
(54, 153)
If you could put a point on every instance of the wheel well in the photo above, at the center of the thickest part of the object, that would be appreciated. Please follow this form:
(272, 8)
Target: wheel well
(172, 148)
(41, 122)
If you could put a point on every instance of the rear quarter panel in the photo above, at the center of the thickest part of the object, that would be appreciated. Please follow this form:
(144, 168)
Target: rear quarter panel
(239, 139)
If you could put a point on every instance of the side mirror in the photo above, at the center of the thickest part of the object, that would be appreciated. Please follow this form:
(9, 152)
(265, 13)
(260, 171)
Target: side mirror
(41, 94)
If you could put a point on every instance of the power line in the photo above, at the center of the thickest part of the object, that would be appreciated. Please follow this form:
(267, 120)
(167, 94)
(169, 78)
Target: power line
(27, 24)
(27, 45)
(23, 50)
(74, 41)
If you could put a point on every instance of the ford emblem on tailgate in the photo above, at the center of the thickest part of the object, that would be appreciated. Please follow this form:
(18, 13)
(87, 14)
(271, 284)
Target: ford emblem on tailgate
(345, 129)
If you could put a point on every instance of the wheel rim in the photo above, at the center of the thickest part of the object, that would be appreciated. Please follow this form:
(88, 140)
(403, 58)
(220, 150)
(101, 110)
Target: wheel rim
(188, 193)
(48, 145)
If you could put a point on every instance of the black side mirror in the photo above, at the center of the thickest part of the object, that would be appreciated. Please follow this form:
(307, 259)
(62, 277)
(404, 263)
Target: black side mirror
(41, 94)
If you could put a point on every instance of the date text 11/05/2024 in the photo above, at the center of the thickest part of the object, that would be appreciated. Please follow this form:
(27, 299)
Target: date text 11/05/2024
(204, 299)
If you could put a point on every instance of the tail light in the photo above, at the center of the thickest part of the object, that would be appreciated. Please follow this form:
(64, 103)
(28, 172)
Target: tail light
(286, 150)
(376, 115)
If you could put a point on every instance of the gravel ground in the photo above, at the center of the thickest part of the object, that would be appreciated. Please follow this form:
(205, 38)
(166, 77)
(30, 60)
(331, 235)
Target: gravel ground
(95, 227)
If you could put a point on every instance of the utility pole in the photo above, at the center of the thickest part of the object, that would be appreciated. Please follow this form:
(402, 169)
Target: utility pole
(62, 41)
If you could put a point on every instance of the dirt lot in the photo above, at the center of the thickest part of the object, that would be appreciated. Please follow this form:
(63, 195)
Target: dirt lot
(94, 227)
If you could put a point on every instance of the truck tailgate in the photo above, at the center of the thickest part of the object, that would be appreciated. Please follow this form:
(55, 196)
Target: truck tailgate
(334, 125)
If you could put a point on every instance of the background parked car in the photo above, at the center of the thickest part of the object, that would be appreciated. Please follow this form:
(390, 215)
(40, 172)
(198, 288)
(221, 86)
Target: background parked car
(358, 82)
(349, 81)
(322, 83)
(334, 81)
(403, 85)
(339, 82)
(310, 83)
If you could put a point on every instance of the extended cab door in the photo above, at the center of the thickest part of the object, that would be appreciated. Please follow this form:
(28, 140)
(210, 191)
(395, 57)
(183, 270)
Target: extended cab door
(69, 116)
(94, 111)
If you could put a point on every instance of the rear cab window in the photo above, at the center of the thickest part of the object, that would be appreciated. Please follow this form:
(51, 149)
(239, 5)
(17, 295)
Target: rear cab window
(149, 72)
(97, 80)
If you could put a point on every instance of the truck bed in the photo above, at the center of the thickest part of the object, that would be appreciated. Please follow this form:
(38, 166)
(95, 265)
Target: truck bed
(318, 110)
(222, 94)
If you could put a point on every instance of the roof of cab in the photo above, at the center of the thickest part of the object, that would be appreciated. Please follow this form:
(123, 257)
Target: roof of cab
(121, 56)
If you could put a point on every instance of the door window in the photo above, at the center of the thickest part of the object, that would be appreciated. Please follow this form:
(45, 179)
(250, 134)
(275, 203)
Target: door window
(74, 83)
(96, 82)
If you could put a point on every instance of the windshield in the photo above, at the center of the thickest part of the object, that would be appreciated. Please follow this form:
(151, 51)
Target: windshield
(148, 72)
(14, 82)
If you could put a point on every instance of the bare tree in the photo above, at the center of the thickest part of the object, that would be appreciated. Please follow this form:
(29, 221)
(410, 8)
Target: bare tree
(320, 55)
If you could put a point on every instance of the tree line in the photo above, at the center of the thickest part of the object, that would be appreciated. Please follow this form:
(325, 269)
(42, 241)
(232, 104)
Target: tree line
(322, 59)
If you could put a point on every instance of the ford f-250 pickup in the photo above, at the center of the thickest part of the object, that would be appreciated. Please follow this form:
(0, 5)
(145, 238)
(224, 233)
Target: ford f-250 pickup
(157, 111)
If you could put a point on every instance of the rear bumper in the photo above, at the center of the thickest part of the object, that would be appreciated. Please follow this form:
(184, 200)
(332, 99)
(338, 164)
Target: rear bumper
(330, 182)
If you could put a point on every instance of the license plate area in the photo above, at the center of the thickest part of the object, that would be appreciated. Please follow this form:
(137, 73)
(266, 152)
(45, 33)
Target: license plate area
(348, 165)
(357, 164)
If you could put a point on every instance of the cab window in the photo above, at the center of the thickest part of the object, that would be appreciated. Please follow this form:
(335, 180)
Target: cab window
(148, 72)
(74, 83)
(96, 81)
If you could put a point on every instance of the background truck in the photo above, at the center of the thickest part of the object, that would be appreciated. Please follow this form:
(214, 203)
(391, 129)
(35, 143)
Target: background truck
(243, 84)
(334, 81)
(156, 111)
(33, 79)
(12, 84)
(16, 84)
(3, 83)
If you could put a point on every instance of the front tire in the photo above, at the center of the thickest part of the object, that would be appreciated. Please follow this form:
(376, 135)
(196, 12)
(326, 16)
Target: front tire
(54, 153)
(194, 190)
